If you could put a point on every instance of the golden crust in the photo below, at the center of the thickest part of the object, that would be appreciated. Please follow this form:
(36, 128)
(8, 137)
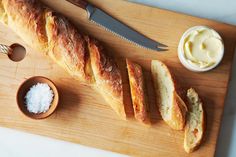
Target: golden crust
(67, 47)
(137, 88)
(107, 76)
(26, 18)
(3, 15)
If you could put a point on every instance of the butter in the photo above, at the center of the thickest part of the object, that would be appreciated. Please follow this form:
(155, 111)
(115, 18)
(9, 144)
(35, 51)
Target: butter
(202, 47)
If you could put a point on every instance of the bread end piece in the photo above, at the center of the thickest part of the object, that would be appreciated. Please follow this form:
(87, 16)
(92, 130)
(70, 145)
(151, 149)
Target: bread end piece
(195, 125)
(137, 89)
(107, 77)
(171, 106)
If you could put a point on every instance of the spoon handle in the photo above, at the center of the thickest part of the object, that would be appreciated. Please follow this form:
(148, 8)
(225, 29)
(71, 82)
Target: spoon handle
(4, 49)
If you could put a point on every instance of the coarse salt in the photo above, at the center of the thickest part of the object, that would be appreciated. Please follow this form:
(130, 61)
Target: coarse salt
(38, 99)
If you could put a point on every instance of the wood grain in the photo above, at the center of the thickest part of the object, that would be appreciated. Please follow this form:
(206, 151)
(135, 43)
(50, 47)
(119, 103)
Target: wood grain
(84, 117)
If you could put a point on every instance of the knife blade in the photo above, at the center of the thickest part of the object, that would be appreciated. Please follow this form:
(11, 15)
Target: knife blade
(118, 28)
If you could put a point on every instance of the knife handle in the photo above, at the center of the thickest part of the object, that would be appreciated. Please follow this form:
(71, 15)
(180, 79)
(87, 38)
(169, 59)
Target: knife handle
(80, 3)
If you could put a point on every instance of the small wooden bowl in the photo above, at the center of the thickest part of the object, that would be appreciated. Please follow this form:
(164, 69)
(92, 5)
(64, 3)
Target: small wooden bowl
(25, 87)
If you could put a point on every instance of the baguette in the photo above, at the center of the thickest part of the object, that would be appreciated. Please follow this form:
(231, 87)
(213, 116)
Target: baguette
(137, 88)
(48, 32)
(195, 124)
(171, 106)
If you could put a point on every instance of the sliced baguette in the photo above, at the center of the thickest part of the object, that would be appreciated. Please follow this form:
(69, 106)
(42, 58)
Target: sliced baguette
(195, 124)
(137, 89)
(172, 108)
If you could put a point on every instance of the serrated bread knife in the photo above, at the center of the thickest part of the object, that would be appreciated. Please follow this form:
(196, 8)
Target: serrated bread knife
(109, 23)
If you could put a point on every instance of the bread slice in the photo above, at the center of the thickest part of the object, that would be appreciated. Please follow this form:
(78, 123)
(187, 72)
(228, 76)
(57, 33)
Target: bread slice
(137, 89)
(195, 124)
(171, 106)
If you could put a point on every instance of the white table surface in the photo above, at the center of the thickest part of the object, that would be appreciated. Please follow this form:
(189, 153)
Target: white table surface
(19, 144)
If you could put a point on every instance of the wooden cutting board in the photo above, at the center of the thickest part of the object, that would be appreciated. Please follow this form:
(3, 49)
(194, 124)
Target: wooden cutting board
(84, 117)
